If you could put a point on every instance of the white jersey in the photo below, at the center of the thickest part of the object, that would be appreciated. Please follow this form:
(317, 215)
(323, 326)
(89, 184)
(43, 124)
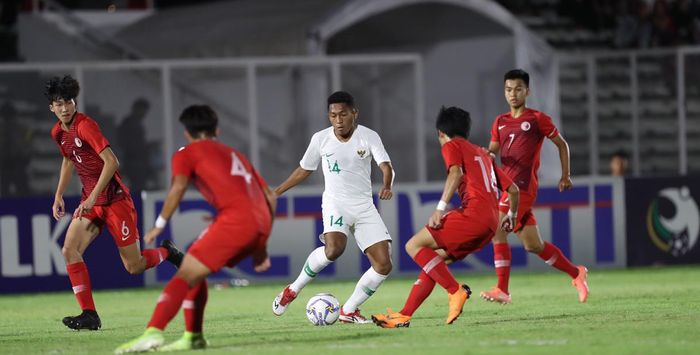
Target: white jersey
(346, 165)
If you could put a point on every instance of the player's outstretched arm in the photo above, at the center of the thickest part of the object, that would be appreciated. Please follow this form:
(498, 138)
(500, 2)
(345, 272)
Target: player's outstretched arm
(563, 147)
(295, 178)
(388, 181)
(59, 207)
(111, 164)
(454, 176)
(177, 190)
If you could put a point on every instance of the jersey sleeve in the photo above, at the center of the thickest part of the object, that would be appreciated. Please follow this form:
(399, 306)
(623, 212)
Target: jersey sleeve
(377, 148)
(451, 155)
(504, 181)
(90, 132)
(312, 156)
(546, 126)
(181, 165)
(495, 137)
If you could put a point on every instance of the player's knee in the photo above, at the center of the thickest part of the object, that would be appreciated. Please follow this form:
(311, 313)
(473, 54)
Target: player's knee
(383, 268)
(134, 268)
(334, 251)
(71, 255)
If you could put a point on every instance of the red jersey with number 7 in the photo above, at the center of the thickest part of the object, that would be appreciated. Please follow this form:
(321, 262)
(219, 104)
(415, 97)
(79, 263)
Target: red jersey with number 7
(226, 179)
(520, 141)
(482, 181)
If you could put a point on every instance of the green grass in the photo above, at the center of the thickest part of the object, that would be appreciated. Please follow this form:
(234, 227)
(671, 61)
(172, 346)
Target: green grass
(639, 311)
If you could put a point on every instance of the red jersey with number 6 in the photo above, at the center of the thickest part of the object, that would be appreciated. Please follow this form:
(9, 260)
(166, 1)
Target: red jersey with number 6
(226, 179)
(482, 181)
(82, 144)
(520, 141)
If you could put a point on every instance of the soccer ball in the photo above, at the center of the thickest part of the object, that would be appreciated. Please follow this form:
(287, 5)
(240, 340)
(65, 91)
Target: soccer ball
(323, 309)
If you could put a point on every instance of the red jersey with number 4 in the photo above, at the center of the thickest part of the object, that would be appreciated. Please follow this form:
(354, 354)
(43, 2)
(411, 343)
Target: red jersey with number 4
(82, 144)
(482, 181)
(226, 179)
(520, 141)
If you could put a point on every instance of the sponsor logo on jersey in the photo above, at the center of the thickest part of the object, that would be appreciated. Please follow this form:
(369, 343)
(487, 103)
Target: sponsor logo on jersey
(525, 126)
(501, 127)
(361, 153)
(329, 154)
(673, 221)
(78, 142)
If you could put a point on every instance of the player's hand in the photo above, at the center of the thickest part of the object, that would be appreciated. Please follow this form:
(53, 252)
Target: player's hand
(262, 266)
(385, 194)
(59, 208)
(86, 206)
(435, 220)
(565, 183)
(508, 221)
(150, 237)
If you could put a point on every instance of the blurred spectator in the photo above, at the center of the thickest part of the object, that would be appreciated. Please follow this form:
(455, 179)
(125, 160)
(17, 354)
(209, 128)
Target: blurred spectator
(135, 149)
(619, 163)
(15, 153)
(663, 31)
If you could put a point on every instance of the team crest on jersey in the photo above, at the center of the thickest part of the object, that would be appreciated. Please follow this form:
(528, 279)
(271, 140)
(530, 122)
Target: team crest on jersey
(525, 126)
(361, 153)
(78, 142)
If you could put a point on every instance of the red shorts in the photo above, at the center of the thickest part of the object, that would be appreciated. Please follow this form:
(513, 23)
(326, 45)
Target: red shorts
(120, 219)
(226, 242)
(525, 215)
(461, 235)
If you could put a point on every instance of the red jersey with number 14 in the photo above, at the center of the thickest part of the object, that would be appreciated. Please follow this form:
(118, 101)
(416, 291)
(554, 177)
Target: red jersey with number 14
(226, 179)
(481, 183)
(82, 144)
(520, 141)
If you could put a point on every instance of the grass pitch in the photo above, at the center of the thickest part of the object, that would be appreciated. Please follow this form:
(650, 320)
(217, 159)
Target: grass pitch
(638, 311)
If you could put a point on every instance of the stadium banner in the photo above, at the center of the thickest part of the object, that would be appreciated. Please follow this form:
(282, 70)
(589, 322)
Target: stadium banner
(30, 249)
(663, 220)
(587, 223)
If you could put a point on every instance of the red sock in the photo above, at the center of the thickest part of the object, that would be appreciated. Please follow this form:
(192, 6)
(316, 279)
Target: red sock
(169, 303)
(193, 307)
(554, 257)
(80, 280)
(154, 256)
(420, 291)
(501, 260)
(433, 265)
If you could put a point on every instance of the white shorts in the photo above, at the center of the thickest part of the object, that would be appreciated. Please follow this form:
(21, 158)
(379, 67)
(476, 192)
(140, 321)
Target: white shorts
(363, 222)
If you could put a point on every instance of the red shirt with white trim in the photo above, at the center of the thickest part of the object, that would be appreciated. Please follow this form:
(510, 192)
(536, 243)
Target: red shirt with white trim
(520, 142)
(82, 144)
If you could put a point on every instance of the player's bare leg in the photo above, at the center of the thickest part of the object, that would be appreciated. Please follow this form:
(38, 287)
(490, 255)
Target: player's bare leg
(191, 273)
(530, 236)
(379, 256)
(333, 248)
(81, 232)
(421, 247)
(501, 261)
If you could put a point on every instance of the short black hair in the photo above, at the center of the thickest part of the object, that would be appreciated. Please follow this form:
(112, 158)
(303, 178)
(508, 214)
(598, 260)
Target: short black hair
(199, 119)
(453, 121)
(620, 153)
(341, 97)
(517, 74)
(65, 88)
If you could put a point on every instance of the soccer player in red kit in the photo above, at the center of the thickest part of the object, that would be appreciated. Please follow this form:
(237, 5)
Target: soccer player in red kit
(518, 135)
(462, 231)
(105, 200)
(245, 207)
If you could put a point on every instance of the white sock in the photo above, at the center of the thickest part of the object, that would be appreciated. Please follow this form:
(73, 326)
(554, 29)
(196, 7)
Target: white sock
(368, 284)
(316, 262)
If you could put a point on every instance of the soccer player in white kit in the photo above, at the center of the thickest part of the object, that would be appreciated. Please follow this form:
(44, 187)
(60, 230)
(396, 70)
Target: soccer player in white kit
(345, 151)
